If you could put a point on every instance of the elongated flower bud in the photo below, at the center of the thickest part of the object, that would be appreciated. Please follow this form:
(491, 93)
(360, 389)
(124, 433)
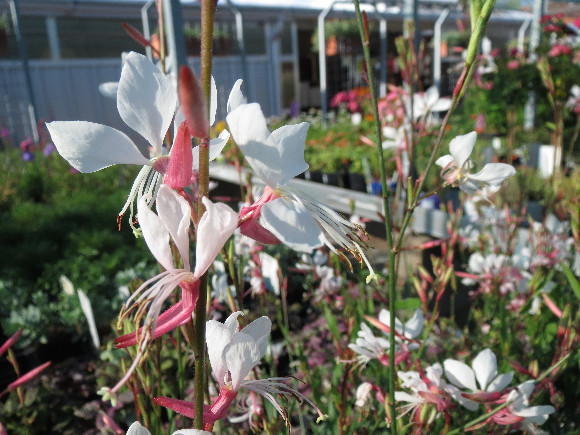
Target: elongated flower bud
(193, 103)
(8, 344)
(27, 377)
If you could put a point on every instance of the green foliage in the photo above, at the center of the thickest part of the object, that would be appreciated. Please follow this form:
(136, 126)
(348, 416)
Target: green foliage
(60, 223)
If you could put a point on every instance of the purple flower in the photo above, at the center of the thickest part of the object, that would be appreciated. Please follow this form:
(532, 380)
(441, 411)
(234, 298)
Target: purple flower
(27, 156)
(49, 148)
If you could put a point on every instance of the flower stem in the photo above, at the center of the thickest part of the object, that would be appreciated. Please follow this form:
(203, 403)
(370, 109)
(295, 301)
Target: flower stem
(388, 228)
(208, 8)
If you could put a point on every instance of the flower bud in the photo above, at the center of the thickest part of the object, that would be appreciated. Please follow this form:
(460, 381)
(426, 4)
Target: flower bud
(193, 103)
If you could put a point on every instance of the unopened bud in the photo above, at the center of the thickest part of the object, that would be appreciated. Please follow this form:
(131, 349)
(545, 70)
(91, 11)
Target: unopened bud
(193, 103)
(534, 368)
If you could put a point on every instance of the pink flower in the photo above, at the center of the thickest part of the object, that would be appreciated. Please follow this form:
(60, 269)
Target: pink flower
(513, 64)
(559, 50)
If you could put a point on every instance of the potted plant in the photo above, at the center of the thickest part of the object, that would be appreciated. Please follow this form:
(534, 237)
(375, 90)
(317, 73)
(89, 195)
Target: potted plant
(192, 35)
(223, 39)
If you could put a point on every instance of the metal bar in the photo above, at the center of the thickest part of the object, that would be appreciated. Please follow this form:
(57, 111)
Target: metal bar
(24, 58)
(437, 49)
(241, 43)
(52, 33)
(174, 35)
(146, 29)
(322, 61)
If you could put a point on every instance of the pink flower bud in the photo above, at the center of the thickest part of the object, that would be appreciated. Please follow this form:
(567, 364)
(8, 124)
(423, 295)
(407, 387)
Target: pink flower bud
(180, 167)
(27, 377)
(193, 103)
(8, 344)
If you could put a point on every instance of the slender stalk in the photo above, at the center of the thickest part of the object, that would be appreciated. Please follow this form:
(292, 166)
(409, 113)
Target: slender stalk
(574, 139)
(388, 228)
(208, 8)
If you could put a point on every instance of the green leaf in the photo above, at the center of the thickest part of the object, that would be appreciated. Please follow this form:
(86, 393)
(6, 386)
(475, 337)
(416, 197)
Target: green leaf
(572, 280)
(409, 304)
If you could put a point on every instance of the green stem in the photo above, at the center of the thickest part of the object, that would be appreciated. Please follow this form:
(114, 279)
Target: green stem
(208, 8)
(388, 228)
(574, 138)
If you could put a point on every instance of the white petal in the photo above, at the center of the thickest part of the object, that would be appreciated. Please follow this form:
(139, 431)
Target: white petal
(259, 330)
(109, 89)
(442, 105)
(460, 374)
(476, 263)
(146, 99)
(414, 325)
(88, 312)
(215, 227)
(212, 101)
(493, 173)
(270, 268)
(175, 212)
(466, 403)
(242, 355)
(501, 382)
(155, 234)
(216, 146)
(431, 96)
(291, 143)
(192, 432)
(385, 318)
(401, 396)
(485, 367)
(292, 224)
(276, 157)
(236, 97)
(536, 414)
(217, 337)
(137, 429)
(443, 161)
(461, 147)
(89, 147)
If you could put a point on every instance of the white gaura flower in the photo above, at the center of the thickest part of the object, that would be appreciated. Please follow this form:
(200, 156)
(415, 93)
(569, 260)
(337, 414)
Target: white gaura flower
(489, 384)
(233, 354)
(429, 102)
(172, 221)
(146, 100)
(456, 166)
(519, 414)
(429, 389)
(368, 346)
(283, 213)
(138, 429)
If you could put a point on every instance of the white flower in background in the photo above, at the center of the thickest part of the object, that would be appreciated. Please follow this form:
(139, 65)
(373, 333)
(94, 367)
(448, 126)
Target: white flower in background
(363, 394)
(219, 282)
(484, 371)
(520, 414)
(428, 102)
(368, 346)
(456, 167)
(283, 213)
(574, 100)
(432, 389)
(487, 268)
(411, 329)
(138, 429)
(394, 138)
